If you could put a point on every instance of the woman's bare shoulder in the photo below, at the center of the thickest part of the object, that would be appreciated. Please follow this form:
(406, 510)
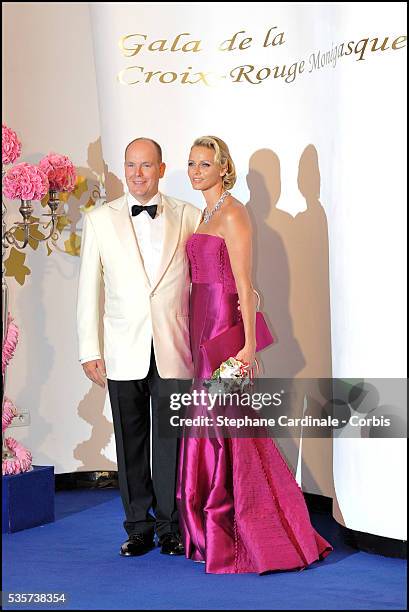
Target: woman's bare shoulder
(235, 211)
(235, 218)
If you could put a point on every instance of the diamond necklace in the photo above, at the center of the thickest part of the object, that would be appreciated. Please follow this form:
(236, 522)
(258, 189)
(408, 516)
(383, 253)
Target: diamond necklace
(208, 214)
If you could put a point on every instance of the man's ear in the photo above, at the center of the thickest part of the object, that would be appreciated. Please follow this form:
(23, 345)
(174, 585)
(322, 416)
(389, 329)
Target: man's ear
(162, 169)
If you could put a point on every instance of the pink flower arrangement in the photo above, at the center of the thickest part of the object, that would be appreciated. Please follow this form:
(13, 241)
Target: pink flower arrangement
(10, 145)
(9, 344)
(9, 412)
(25, 182)
(21, 458)
(60, 172)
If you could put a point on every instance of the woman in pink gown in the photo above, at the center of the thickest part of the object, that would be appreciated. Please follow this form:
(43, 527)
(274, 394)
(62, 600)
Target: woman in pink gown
(240, 508)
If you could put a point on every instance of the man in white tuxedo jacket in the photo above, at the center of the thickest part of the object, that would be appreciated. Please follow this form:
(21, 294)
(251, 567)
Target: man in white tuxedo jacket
(136, 246)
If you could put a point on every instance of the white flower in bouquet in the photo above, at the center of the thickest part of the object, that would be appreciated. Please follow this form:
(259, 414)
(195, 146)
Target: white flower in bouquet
(232, 368)
(233, 373)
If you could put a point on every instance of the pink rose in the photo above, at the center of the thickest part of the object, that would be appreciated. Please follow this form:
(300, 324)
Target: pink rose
(8, 414)
(25, 182)
(10, 145)
(60, 172)
(21, 460)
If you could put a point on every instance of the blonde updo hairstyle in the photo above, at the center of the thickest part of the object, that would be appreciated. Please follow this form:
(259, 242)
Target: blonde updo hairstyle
(221, 156)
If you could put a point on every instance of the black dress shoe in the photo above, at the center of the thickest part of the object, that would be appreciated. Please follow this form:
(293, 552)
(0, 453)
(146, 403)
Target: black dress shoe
(138, 544)
(171, 544)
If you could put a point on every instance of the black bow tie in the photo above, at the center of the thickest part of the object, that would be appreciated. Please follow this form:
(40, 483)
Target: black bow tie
(151, 210)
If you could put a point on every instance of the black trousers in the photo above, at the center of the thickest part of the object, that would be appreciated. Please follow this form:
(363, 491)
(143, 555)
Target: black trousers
(141, 489)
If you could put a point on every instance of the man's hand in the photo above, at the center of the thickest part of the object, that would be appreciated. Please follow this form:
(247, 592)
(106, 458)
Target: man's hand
(95, 371)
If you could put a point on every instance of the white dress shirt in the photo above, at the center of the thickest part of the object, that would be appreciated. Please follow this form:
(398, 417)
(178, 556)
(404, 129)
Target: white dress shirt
(149, 234)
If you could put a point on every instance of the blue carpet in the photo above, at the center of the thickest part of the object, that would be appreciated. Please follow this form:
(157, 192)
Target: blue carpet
(78, 555)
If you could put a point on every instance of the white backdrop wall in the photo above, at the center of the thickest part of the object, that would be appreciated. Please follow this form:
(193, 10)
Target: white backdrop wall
(320, 162)
(368, 271)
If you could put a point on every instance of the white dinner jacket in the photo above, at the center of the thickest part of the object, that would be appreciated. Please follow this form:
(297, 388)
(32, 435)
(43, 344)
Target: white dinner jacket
(136, 312)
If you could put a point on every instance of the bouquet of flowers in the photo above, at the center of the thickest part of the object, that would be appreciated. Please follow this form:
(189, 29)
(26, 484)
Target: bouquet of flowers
(233, 374)
(231, 368)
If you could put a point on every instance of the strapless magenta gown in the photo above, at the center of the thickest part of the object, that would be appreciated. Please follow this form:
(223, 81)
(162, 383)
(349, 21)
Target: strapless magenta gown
(240, 508)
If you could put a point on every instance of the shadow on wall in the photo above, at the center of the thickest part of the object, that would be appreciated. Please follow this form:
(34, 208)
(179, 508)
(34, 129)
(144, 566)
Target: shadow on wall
(90, 452)
(272, 242)
(291, 271)
(310, 305)
(291, 268)
(113, 185)
(101, 185)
